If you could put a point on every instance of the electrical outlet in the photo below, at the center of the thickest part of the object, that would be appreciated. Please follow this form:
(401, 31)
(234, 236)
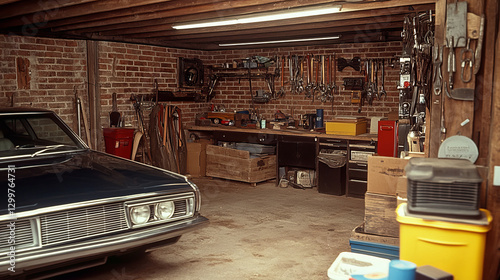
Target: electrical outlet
(496, 176)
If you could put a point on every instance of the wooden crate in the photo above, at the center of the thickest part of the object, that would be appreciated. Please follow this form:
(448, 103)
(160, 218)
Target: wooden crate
(360, 234)
(380, 214)
(237, 165)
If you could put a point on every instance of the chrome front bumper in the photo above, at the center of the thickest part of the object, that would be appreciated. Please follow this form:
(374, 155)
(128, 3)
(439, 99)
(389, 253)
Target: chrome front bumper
(108, 245)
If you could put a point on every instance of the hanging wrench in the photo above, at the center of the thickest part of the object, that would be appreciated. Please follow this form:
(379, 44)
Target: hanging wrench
(382, 90)
(438, 61)
(308, 87)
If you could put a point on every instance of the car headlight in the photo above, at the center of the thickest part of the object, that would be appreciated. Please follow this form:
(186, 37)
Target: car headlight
(164, 210)
(140, 214)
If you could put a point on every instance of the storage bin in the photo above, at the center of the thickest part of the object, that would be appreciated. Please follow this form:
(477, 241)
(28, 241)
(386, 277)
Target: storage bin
(118, 141)
(348, 127)
(452, 245)
(348, 263)
(374, 249)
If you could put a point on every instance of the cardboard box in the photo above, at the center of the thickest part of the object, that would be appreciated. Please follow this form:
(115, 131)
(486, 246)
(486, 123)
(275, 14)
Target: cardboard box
(384, 173)
(402, 187)
(197, 157)
(380, 214)
(237, 165)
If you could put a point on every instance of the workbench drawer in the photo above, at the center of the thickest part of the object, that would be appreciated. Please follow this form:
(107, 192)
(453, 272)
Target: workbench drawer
(357, 188)
(358, 174)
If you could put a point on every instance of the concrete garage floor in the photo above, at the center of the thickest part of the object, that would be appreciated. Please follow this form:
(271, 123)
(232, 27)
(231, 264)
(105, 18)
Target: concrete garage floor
(262, 232)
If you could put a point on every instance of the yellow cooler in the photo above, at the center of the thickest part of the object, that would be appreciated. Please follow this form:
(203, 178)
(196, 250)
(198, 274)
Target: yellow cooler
(453, 245)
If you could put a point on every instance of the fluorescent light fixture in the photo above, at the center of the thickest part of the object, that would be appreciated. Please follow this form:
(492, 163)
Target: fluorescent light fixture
(280, 41)
(263, 17)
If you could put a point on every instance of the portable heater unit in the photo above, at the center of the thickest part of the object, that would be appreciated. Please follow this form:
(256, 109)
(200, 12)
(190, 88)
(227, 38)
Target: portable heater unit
(443, 187)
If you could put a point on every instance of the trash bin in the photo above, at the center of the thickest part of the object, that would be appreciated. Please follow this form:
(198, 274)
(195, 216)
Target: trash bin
(119, 141)
(332, 171)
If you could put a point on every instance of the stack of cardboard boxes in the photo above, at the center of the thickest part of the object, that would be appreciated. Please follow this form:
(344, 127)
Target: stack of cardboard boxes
(386, 189)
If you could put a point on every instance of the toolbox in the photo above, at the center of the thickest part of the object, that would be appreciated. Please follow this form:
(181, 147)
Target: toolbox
(346, 126)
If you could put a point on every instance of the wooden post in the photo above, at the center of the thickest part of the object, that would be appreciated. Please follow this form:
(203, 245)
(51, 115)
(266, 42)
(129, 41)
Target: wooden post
(436, 100)
(94, 94)
(491, 72)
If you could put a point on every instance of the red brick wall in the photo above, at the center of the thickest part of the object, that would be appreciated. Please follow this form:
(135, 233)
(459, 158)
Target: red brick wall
(234, 94)
(131, 69)
(58, 69)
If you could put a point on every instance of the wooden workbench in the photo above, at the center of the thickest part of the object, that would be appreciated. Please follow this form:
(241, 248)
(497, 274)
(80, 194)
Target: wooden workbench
(300, 149)
(289, 132)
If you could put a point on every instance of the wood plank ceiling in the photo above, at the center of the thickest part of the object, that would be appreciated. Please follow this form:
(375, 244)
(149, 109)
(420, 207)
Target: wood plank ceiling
(150, 21)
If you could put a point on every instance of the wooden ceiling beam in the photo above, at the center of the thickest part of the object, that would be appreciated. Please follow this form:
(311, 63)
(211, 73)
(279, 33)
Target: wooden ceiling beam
(296, 28)
(206, 10)
(152, 31)
(30, 7)
(77, 10)
(149, 12)
(5, 2)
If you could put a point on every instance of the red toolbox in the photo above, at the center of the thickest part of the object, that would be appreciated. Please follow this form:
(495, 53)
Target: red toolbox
(387, 144)
(119, 141)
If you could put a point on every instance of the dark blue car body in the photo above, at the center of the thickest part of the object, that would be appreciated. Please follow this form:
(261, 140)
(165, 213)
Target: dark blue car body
(72, 207)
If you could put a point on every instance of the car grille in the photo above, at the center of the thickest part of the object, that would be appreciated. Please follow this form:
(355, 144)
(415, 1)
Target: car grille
(82, 223)
(180, 208)
(74, 224)
(23, 235)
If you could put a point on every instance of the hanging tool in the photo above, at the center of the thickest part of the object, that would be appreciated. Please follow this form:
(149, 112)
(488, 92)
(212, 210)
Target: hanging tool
(308, 87)
(85, 124)
(316, 85)
(291, 73)
(443, 128)
(479, 46)
(456, 22)
(300, 88)
(78, 112)
(370, 92)
(334, 75)
(376, 79)
(452, 67)
(467, 61)
(114, 115)
(281, 92)
(382, 90)
(322, 86)
(438, 61)
(355, 63)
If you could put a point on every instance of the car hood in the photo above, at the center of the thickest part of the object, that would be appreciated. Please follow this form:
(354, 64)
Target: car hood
(46, 181)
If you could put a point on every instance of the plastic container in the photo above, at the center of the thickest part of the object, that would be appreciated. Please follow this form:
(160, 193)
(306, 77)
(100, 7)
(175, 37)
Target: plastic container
(346, 128)
(319, 118)
(119, 141)
(347, 264)
(452, 245)
(375, 249)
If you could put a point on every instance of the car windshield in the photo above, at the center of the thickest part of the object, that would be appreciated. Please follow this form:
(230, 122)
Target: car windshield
(35, 134)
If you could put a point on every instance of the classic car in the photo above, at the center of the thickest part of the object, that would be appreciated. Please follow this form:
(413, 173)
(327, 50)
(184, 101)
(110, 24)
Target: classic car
(66, 207)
